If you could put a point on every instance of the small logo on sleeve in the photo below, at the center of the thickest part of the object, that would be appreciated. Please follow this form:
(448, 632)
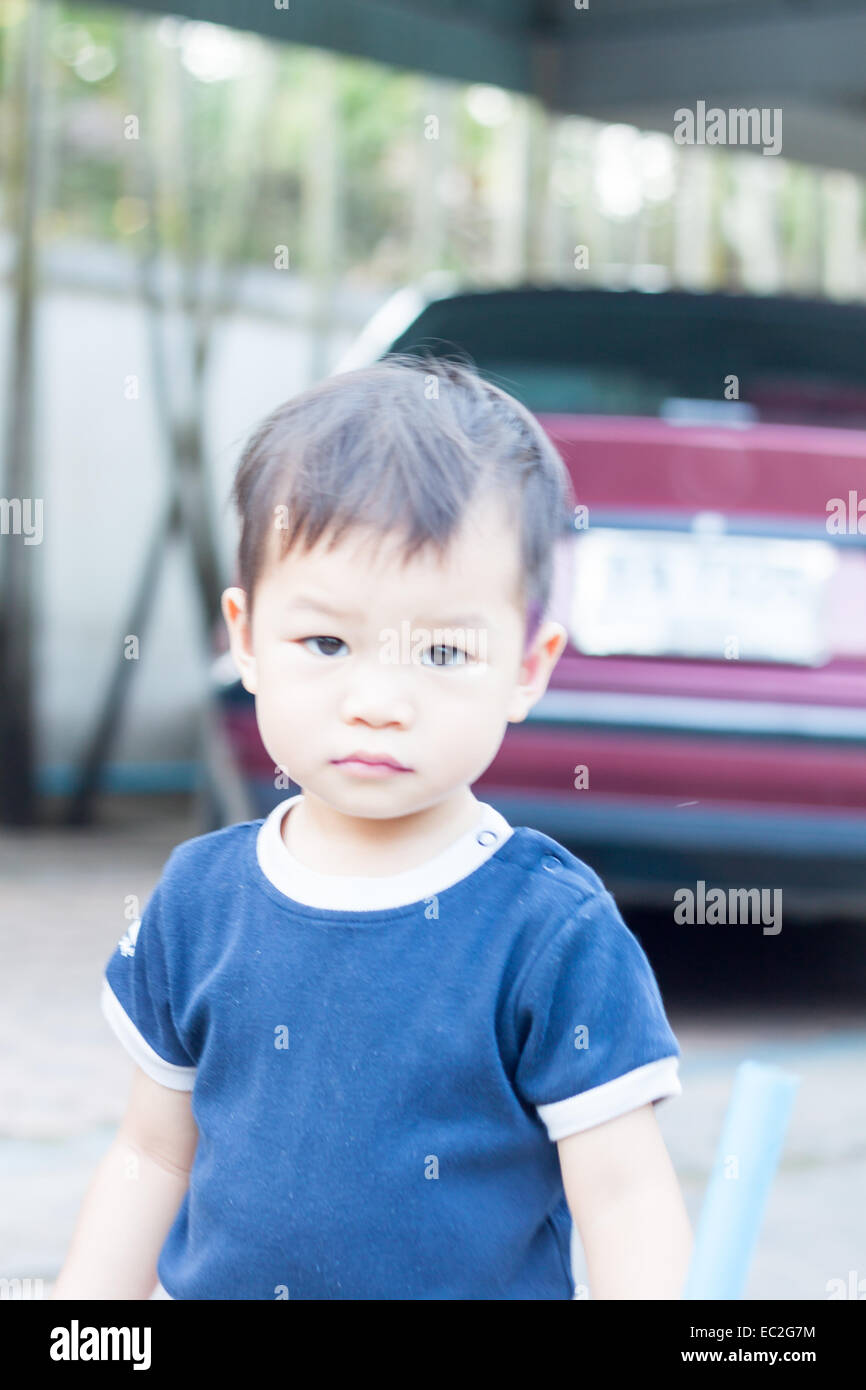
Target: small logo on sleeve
(129, 938)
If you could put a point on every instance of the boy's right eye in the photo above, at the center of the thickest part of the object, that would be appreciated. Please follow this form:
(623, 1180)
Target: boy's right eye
(339, 641)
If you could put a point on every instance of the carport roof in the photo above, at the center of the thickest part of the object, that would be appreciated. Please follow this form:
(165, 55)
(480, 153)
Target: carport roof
(636, 61)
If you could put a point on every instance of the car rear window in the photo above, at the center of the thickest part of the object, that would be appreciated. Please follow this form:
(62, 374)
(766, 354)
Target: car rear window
(633, 353)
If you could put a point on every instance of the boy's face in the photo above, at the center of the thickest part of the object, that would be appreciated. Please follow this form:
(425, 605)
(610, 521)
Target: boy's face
(376, 677)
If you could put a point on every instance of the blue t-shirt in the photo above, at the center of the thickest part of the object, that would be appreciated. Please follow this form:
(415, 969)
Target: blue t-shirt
(380, 1067)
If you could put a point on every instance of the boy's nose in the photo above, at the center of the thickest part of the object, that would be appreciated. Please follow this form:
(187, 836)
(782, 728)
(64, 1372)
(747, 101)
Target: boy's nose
(377, 702)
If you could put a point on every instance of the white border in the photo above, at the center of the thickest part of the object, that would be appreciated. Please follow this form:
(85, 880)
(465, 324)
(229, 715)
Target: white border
(359, 894)
(169, 1074)
(653, 1082)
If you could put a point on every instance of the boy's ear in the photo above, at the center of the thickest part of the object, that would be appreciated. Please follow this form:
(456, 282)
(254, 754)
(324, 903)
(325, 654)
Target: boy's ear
(234, 610)
(536, 669)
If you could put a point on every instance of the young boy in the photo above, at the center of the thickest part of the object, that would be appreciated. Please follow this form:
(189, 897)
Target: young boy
(387, 1045)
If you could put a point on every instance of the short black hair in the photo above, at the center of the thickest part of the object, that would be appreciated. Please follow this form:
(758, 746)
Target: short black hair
(405, 443)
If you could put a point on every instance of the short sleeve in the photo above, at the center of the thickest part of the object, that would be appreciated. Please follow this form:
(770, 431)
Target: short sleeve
(136, 1000)
(594, 1041)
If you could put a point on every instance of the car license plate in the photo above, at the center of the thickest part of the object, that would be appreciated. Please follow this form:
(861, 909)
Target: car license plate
(702, 595)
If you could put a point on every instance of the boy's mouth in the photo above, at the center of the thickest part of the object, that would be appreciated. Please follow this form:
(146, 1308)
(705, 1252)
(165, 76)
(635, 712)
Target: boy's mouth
(373, 761)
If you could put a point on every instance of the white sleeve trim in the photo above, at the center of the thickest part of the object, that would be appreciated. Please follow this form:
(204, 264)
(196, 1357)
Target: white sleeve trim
(653, 1082)
(169, 1074)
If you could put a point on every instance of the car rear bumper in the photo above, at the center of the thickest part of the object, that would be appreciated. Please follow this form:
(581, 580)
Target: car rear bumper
(767, 756)
(655, 792)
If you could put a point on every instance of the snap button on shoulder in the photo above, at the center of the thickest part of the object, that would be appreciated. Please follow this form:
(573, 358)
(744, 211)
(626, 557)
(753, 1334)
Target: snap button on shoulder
(551, 863)
(487, 837)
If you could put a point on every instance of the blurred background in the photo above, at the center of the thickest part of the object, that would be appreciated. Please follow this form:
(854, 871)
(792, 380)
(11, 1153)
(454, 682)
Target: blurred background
(203, 213)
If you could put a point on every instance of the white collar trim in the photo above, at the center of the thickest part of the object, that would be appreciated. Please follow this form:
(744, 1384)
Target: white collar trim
(358, 893)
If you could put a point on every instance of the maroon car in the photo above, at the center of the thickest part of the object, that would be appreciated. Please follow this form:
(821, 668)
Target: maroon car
(707, 720)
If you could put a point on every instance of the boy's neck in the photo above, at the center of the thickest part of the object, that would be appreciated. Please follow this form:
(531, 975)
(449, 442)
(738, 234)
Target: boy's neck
(329, 842)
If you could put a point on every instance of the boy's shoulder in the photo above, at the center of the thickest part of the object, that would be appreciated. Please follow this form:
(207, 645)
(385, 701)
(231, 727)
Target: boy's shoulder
(556, 868)
(553, 898)
(215, 852)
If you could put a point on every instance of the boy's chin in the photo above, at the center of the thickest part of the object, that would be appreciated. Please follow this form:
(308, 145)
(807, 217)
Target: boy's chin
(372, 800)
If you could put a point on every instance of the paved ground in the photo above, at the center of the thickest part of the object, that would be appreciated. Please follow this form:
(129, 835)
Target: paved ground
(797, 999)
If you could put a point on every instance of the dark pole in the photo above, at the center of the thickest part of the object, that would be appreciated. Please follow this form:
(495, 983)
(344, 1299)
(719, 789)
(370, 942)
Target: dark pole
(18, 804)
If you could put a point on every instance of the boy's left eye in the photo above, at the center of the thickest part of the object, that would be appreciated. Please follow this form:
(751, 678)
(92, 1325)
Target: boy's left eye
(441, 656)
(339, 641)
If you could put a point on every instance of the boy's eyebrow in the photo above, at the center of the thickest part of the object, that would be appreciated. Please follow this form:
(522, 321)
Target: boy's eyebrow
(467, 620)
(324, 606)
